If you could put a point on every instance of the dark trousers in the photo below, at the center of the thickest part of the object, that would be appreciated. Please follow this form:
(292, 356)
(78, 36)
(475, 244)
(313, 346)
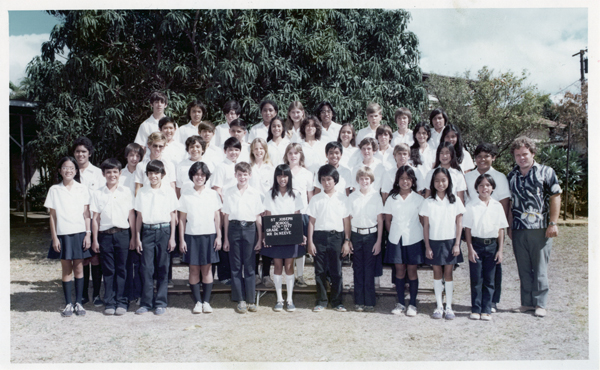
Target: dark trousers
(241, 256)
(114, 249)
(154, 244)
(497, 284)
(328, 261)
(133, 283)
(364, 268)
(482, 276)
(266, 264)
(223, 268)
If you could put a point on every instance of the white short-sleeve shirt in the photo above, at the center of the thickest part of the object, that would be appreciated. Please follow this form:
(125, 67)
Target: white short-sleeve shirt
(283, 205)
(402, 139)
(303, 182)
(113, 206)
(442, 217)
(174, 152)
(484, 221)
(405, 218)
(142, 178)
(200, 211)
(262, 178)
(345, 180)
(378, 171)
(467, 163)
(295, 135)
(329, 211)
(364, 133)
(347, 154)
(221, 134)
(188, 130)
(69, 206)
(224, 176)
(127, 179)
(258, 130)
(242, 207)
(182, 175)
(388, 180)
(364, 208)
(458, 180)
(92, 177)
(156, 205)
(502, 190)
(213, 154)
(427, 159)
(147, 127)
(277, 151)
(330, 134)
(315, 154)
(434, 141)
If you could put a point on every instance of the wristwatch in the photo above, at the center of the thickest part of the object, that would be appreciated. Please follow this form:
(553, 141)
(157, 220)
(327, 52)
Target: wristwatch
(551, 223)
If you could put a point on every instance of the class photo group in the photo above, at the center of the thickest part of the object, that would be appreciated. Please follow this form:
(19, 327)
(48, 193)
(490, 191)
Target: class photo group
(199, 192)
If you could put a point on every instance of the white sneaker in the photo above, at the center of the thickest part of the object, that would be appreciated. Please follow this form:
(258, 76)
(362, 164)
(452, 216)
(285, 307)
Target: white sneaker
(206, 307)
(197, 307)
(399, 309)
(411, 311)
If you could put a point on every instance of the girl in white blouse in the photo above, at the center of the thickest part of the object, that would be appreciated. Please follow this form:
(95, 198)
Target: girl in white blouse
(277, 141)
(295, 115)
(347, 137)
(422, 154)
(262, 167)
(452, 135)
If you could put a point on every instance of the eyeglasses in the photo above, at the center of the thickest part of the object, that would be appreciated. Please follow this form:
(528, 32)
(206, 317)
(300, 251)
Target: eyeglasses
(326, 111)
(157, 146)
(68, 169)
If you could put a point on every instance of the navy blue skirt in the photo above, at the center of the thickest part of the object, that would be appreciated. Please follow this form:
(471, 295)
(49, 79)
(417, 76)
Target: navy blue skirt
(71, 248)
(442, 253)
(284, 251)
(413, 254)
(200, 250)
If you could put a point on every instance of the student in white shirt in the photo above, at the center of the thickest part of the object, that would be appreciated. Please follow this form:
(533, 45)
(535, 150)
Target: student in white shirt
(242, 222)
(268, 110)
(195, 147)
(91, 177)
(174, 150)
(446, 157)
(383, 134)
(438, 120)
(200, 234)
(283, 200)
(231, 110)
(295, 115)
(68, 206)
(156, 207)
(237, 129)
(334, 154)
(485, 154)
(422, 155)
(156, 142)
(452, 135)
(402, 117)
(159, 102)
(303, 183)
(212, 153)
(133, 153)
(330, 129)
(368, 148)
(224, 176)
(401, 157)
(405, 239)
(374, 115)
(347, 137)
(328, 237)
(365, 208)
(484, 223)
(262, 167)
(313, 147)
(195, 111)
(442, 225)
(277, 141)
(113, 234)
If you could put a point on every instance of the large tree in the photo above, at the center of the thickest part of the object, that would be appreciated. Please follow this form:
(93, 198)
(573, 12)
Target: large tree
(115, 58)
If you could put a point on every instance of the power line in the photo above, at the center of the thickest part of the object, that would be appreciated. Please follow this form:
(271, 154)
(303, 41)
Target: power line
(573, 83)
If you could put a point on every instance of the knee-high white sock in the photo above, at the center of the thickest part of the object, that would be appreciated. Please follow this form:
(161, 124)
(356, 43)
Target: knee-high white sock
(438, 288)
(449, 290)
(299, 262)
(289, 286)
(278, 281)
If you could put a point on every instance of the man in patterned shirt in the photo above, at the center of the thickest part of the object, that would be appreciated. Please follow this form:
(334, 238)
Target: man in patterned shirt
(535, 207)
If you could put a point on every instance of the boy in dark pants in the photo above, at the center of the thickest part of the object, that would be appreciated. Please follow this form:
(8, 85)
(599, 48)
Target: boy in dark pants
(243, 235)
(155, 233)
(328, 236)
(111, 229)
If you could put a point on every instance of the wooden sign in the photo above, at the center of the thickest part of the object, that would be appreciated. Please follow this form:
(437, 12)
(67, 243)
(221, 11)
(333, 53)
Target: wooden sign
(283, 229)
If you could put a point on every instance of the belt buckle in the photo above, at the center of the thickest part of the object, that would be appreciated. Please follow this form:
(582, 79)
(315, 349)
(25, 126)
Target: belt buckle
(243, 223)
(487, 241)
(332, 231)
(363, 231)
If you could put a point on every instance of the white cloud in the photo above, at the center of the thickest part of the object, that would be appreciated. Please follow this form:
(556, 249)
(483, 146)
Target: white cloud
(538, 40)
(22, 49)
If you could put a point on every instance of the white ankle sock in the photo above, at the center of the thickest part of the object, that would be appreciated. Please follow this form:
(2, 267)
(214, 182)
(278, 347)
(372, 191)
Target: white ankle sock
(449, 290)
(278, 280)
(438, 288)
(289, 285)
(299, 262)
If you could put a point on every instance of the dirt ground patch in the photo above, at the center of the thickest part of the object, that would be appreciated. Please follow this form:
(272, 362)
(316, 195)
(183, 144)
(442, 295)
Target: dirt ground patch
(38, 331)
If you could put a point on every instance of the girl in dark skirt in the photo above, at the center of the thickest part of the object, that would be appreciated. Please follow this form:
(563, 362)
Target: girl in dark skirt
(442, 225)
(283, 200)
(68, 205)
(405, 239)
(200, 234)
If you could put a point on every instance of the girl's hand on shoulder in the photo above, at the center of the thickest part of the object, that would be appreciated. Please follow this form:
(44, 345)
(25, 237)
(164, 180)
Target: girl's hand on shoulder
(456, 250)
(428, 253)
(376, 248)
(498, 258)
(182, 246)
(56, 245)
(473, 256)
(217, 244)
(95, 247)
(87, 242)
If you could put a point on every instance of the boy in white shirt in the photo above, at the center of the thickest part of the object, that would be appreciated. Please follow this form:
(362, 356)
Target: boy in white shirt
(334, 152)
(403, 117)
(212, 153)
(237, 129)
(328, 237)
(174, 151)
(195, 111)
(231, 110)
(134, 154)
(401, 157)
(224, 176)
(113, 231)
(195, 147)
(242, 222)
(268, 110)
(156, 207)
(159, 102)
(438, 120)
(374, 117)
(156, 142)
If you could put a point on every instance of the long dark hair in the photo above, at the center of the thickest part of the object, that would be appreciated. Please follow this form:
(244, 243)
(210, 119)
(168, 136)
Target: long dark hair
(353, 140)
(458, 147)
(282, 170)
(415, 155)
(401, 171)
(59, 164)
(453, 161)
(451, 197)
